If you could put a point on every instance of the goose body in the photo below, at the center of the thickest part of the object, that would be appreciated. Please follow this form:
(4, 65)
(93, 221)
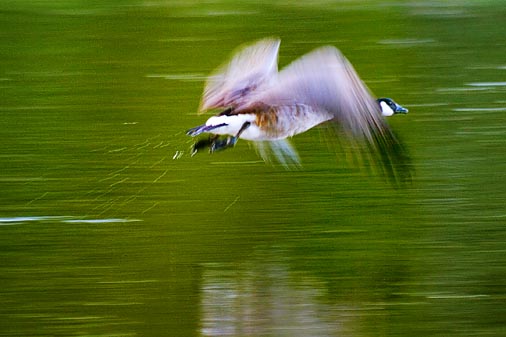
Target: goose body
(272, 124)
(260, 104)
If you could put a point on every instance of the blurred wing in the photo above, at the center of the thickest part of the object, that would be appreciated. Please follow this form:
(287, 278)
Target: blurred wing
(281, 150)
(324, 79)
(251, 67)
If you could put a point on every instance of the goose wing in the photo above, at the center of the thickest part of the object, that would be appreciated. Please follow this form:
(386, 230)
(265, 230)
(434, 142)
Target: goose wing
(252, 66)
(326, 81)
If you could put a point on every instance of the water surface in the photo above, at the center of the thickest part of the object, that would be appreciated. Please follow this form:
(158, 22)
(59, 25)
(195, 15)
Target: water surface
(109, 227)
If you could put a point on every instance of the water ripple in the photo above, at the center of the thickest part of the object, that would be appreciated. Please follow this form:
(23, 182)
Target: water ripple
(64, 219)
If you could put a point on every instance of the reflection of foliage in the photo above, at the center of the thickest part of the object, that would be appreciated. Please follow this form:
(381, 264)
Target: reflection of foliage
(265, 298)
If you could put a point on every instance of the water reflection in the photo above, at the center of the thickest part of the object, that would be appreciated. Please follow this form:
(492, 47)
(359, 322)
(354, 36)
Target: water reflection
(263, 297)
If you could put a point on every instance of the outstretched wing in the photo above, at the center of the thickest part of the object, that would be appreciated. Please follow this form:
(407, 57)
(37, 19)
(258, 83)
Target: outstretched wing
(251, 67)
(326, 81)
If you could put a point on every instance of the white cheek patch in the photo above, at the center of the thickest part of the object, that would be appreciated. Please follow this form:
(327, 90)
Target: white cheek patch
(386, 110)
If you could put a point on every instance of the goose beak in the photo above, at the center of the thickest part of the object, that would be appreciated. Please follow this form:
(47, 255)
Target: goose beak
(400, 109)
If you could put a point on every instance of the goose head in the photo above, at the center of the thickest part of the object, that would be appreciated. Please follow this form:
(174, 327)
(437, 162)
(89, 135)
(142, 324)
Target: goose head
(389, 107)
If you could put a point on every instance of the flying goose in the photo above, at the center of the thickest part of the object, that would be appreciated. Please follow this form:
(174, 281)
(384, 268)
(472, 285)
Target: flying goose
(260, 104)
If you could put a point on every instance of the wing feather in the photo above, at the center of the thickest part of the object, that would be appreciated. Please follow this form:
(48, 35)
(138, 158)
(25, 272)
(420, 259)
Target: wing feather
(326, 80)
(252, 66)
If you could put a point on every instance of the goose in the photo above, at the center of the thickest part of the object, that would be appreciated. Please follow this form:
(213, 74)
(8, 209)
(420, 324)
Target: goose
(258, 103)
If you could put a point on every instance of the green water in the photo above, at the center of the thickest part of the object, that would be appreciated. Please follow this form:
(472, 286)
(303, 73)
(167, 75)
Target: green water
(108, 227)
